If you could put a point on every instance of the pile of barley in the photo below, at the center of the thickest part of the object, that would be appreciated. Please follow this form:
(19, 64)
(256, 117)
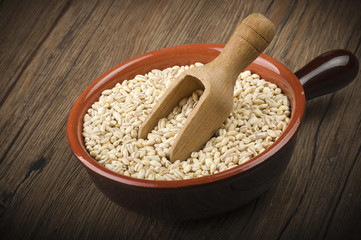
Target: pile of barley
(260, 115)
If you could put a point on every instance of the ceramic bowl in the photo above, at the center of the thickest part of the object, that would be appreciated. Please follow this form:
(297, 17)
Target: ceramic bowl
(221, 192)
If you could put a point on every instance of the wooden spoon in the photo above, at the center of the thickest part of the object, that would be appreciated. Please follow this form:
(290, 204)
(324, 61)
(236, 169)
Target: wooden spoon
(217, 78)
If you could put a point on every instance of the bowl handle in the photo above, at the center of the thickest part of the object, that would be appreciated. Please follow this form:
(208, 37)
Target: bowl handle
(328, 72)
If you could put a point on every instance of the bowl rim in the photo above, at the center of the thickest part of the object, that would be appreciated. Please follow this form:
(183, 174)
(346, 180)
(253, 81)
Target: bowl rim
(76, 143)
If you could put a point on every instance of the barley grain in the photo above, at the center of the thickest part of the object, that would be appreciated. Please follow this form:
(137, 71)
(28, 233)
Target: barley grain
(260, 115)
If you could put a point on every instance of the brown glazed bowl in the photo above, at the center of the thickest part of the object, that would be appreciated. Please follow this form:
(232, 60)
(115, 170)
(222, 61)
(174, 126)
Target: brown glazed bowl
(221, 192)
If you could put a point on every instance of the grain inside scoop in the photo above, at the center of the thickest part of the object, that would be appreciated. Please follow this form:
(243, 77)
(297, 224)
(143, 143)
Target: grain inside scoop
(217, 79)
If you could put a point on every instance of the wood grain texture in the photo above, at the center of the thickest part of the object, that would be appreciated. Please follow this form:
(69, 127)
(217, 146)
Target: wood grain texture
(51, 50)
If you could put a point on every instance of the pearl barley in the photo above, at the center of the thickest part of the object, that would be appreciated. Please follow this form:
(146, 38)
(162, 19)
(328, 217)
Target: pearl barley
(260, 115)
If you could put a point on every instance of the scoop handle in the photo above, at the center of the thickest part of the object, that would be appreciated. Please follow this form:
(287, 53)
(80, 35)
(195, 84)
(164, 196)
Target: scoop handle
(250, 38)
(328, 72)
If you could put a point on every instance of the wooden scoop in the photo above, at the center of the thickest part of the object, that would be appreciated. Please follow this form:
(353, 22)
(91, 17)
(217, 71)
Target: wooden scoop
(217, 78)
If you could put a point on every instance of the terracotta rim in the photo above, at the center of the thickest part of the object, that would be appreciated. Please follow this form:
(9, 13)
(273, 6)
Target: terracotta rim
(75, 119)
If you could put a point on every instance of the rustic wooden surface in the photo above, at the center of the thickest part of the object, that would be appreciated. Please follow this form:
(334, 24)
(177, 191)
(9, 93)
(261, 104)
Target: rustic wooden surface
(51, 50)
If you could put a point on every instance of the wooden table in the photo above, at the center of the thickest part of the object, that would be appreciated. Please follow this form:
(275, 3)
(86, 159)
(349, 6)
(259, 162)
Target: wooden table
(51, 50)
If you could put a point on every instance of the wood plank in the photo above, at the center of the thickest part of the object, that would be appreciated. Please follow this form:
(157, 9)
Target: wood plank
(23, 36)
(62, 46)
